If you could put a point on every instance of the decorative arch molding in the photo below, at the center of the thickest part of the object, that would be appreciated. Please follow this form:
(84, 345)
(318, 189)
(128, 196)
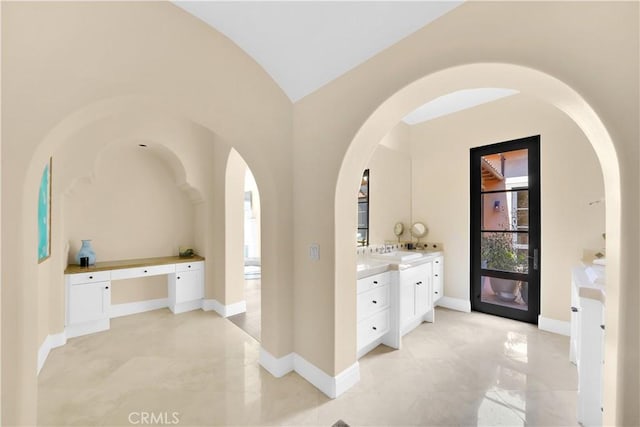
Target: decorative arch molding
(528, 81)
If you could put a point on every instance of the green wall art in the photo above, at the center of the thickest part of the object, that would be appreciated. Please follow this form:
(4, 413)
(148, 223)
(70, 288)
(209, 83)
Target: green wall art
(44, 214)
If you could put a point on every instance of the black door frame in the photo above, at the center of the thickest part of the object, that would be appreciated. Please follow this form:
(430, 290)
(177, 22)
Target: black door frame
(532, 144)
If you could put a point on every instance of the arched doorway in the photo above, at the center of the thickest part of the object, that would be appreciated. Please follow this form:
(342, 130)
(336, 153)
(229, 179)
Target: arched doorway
(525, 80)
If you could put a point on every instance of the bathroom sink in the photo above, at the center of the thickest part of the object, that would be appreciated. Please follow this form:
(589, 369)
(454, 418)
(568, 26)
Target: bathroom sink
(398, 256)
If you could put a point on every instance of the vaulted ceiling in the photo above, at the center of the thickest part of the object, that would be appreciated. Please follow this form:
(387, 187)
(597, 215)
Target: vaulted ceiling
(304, 45)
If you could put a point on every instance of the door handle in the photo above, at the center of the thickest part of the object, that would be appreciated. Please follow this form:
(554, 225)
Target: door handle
(535, 259)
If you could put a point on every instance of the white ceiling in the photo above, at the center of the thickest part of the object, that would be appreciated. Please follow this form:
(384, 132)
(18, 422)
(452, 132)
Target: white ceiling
(304, 45)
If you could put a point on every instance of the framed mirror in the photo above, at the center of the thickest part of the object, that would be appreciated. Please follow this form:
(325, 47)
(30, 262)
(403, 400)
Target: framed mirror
(418, 230)
(398, 229)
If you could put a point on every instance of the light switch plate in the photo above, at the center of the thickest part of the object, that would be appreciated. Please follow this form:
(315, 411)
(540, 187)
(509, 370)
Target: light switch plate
(314, 252)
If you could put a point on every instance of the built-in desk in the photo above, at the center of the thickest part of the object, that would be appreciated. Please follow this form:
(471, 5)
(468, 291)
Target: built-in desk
(88, 289)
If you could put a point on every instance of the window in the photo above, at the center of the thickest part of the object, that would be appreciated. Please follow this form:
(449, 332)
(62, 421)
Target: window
(362, 236)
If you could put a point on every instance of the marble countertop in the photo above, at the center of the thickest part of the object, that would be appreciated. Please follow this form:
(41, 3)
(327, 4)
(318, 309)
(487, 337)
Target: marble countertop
(368, 265)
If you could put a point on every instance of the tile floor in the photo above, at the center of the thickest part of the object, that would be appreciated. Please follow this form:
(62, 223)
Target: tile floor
(466, 369)
(250, 320)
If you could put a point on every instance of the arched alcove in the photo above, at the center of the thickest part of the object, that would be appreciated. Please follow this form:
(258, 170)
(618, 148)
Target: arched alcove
(525, 80)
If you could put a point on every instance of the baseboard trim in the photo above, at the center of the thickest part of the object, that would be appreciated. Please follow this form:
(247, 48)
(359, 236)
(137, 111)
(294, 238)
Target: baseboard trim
(224, 310)
(183, 307)
(49, 343)
(555, 326)
(457, 304)
(278, 367)
(331, 386)
(119, 310)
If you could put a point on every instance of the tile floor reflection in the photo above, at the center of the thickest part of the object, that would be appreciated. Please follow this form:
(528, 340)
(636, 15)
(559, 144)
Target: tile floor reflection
(466, 369)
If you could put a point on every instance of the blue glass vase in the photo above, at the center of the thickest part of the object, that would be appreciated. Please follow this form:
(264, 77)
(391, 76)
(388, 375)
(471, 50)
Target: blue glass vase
(86, 251)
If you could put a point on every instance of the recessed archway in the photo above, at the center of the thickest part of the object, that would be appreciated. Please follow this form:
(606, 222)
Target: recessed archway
(528, 81)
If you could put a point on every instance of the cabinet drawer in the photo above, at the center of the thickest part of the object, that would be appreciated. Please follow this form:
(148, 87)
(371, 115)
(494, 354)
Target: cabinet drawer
(373, 328)
(96, 276)
(374, 281)
(373, 300)
(189, 266)
(154, 270)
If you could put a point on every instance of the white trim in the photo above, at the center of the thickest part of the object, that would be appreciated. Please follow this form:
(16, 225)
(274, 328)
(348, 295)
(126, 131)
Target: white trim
(119, 310)
(555, 326)
(186, 306)
(347, 379)
(277, 367)
(49, 343)
(224, 310)
(331, 386)
(457, 304)
(213, 305)
(236, 308)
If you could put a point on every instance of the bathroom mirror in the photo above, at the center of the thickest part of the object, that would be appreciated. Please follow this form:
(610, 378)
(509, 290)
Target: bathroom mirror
(418, 230)
(398, 229)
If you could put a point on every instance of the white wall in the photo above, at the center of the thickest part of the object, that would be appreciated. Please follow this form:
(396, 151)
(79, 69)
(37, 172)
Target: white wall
(571, 178)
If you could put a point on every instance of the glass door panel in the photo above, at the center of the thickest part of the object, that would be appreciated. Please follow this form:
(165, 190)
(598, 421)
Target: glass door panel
(505, 229)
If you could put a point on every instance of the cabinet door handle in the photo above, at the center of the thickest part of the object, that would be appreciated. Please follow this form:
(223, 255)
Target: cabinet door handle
(436, 292)
(178, 277)
(602, 327)
(437, 262)
(106, 287)
(188, 266)
(90, 277)
(145, 271)
(374, 301)
(574, 309)
(375, 282)
(375, 329)
(436, 275)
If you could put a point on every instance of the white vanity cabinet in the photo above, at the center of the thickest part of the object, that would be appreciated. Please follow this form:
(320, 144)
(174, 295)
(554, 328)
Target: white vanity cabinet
(88, 290)
(88, 301)
(374, 311)
(186, 287)
(587, 343)
(438, 278)
(415, 295)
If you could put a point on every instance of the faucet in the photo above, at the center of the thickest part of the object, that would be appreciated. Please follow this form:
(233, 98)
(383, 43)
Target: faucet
(387, 248)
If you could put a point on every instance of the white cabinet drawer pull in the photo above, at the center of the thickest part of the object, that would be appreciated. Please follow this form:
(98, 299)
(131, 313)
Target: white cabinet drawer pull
(375, 282)
(90, 277)
(106, 287)
(374, 301)
(374, 328)
(178, 277)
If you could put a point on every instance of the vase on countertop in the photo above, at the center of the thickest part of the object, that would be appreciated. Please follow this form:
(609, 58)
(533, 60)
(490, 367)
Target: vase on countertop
(86, 251)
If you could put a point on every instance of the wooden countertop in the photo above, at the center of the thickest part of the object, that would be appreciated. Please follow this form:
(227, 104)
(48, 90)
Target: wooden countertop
(130, 263)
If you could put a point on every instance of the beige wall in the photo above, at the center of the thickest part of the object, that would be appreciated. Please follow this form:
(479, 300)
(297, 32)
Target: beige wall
(571, 178)
(66, 66)
(337, 128)
(234, 224)
(88, 74)
(390, 186)
(131, 208)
